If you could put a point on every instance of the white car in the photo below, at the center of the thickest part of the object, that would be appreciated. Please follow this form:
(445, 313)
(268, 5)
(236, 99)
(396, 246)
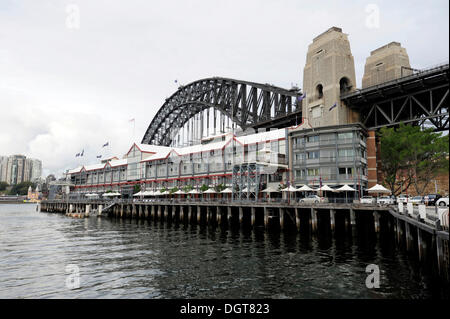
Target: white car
(403, 199)
(416, 200)
(385, 200)
(313, 199)
(368, 200)
(443, 201)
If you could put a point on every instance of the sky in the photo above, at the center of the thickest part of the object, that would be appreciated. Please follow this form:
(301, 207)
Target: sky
(74, 73)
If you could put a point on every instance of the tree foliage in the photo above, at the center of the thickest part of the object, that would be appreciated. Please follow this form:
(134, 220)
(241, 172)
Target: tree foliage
(21, 188)
(411, 156)
(3, 186)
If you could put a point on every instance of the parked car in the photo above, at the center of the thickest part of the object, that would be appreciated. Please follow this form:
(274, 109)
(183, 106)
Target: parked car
(313, 199)
(385, 200)
(402, 199)
(431, 199)
(416, 200)
(368, 200)
(443, 201)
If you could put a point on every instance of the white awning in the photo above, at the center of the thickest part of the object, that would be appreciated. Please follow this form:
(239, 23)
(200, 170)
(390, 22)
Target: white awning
(379, 189)
(227, 191)
(270, 190)
(324, 188)
(290, 189)
(209, 191)
(305, 188)
(345, 188)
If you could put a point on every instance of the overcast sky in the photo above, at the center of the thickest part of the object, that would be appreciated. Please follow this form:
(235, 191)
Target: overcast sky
(68, 84)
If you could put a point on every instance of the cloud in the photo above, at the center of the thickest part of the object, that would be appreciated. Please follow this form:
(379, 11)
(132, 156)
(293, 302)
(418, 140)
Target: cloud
(63, 90)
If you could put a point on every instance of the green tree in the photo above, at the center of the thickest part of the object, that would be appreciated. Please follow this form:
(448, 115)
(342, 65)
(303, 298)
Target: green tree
(204, 187)
(412, 156)
(22, 188)
(3, 186)
(137, 188)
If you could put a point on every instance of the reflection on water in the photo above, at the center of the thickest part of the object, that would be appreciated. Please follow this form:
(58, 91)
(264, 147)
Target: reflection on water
(140, 259)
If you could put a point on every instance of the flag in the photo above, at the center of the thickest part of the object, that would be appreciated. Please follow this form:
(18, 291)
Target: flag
(78, 154)
(82, 152)
(176, 81)
(332, 107)
(99, 156)
(301, 97)
(320, 181)
(107, 143)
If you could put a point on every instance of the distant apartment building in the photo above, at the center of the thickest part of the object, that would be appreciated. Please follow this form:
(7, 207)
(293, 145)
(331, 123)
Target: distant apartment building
(16, 169)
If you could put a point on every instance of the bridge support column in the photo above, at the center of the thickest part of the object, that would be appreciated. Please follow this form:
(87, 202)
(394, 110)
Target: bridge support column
(219, 215)
(332, 219)
(133, 211)
(266, 217)
(152, 212)
(159, 212)
(146, 212)
(297, 219)
(408, 236)
(100, 210)
(376, 219)
(88, 209)
(208, 214)
(253, 216)
(173, 216)
(281, 213)
(440, 256)
(241, 216)
(313, 219)
(166, 212)
(198, 214)
(399, 234)
(420, 244)
(182, 213)
(189, 213)
(229, 216)
(352, 217)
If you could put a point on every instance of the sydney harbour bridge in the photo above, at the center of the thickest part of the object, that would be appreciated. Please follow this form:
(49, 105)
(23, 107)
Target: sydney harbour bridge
(420, 98)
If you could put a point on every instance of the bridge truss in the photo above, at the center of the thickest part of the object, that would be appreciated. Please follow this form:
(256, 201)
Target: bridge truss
(248, 104)
(421, 98)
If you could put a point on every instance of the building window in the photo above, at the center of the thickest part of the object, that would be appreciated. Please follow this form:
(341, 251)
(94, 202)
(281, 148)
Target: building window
(319, 91)
(313, 138)
(345, 135)
(313, 172)
(313, 155)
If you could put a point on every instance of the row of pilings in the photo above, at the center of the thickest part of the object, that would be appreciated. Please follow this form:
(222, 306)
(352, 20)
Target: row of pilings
(424, 243)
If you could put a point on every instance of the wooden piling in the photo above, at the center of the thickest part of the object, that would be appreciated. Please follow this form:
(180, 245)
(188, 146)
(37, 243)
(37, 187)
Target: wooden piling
(297, 218)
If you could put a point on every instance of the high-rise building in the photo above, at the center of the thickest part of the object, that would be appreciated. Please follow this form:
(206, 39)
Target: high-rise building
(16, 169)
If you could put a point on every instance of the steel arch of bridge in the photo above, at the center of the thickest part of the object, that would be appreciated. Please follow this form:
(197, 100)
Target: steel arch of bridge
(248, 104)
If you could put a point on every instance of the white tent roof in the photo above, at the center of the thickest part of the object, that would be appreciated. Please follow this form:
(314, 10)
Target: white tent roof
(305, 188)
(91, 195)
(270, 190)
(325, 188)
(210, 191)
(345, 188)
(378, 189)
(138, 194)
(227, 190)
(180, 192)
(290, 189)
(194, 191)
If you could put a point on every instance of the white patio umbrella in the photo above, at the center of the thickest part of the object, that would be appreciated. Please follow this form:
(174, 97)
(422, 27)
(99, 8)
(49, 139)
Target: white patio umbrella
(345, 189)
(138, 194)
(325, 188)
(227, 191)
(378, 189)
(305, 188)
(209, 191)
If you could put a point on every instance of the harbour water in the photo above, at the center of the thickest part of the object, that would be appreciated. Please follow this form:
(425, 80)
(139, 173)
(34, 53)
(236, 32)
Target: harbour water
(139, 259)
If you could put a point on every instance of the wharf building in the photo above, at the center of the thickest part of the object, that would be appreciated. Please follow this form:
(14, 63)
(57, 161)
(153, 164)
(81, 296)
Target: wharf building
(210, 163)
